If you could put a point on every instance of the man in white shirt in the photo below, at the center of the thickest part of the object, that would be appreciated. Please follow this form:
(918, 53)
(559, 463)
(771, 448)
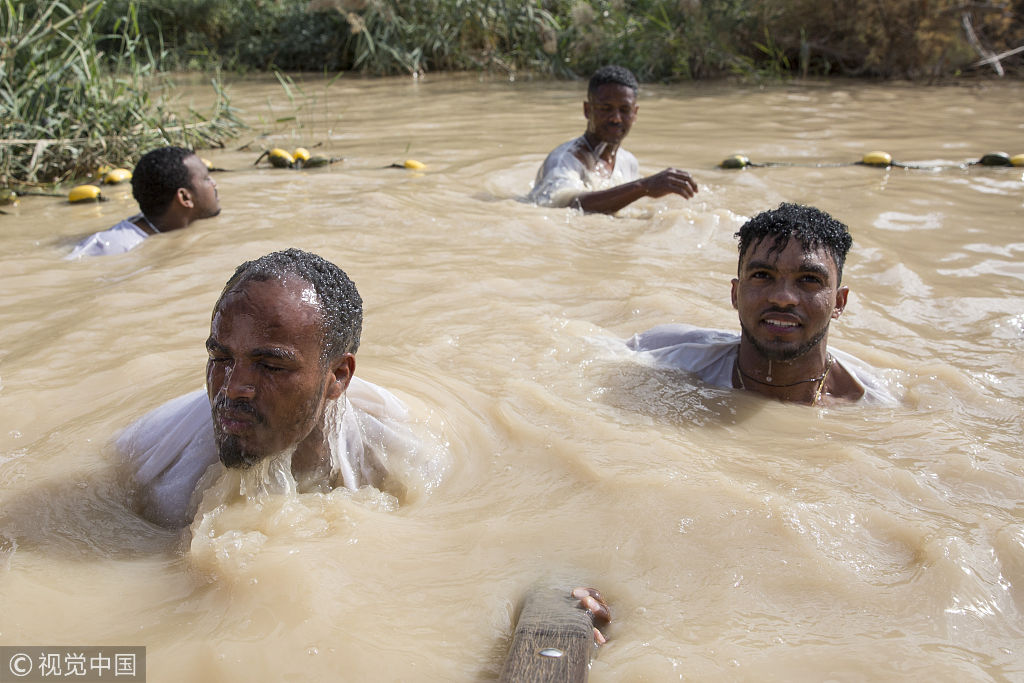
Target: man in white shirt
(280, 393)
(592, 172)
(787, 292)
(173, 188)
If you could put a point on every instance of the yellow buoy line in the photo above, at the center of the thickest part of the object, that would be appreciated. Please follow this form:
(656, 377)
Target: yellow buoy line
(279, 158)
(301, 158)
(90, 192)
(879, 159)
(298, 159)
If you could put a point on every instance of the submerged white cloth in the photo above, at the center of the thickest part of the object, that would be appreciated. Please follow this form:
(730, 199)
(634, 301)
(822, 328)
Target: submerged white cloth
(711, 355)
(563, 177)
(116, 240)
(169, 449)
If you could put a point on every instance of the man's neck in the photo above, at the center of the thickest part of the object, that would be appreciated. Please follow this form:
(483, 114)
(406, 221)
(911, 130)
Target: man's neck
(168, 222)
(805, 379)
(311, 462)
(602, 151)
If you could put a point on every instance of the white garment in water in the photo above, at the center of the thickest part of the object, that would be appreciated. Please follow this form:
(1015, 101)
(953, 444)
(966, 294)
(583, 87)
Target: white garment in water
(116, 240)
(169, 449)
(711, 355)
(563, 177)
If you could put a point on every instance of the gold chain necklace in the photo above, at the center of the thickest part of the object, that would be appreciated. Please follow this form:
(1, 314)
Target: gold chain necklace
(817, 392)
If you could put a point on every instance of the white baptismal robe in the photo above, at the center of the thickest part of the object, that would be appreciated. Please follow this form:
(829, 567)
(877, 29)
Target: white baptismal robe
(711, 355)
(118, 239)
(563, 177)
(169, 449)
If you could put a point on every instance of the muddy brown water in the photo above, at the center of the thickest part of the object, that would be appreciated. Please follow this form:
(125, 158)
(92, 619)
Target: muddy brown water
(736, 538)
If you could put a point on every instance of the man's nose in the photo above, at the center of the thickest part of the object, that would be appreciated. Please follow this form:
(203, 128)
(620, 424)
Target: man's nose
(783, 293)
(240, 382)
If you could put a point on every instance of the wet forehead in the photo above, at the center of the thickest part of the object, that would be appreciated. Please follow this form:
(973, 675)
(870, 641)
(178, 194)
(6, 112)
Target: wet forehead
(613, 94)
(286, 311)
(767, 251)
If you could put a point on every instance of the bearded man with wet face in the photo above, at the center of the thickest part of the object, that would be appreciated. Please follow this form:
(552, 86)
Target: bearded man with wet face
(787, 292)
(279, 384)
(282, 345)
(593, 172)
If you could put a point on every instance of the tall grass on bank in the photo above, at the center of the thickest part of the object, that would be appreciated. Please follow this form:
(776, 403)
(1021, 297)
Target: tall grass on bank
(663, 40)
(67, 107)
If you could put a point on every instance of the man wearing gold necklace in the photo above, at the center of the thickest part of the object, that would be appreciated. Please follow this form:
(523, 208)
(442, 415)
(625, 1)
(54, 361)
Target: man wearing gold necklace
(787, 292)
(592, 172)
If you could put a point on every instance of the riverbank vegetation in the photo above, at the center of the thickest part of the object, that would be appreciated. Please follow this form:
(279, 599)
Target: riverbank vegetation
(76, 75)
(69, 106)
(661, 40)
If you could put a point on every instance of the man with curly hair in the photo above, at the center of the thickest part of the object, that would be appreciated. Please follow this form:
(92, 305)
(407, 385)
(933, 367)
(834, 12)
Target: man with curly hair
(280, 393)
(173, 188)
(593, 172)
(787, 291)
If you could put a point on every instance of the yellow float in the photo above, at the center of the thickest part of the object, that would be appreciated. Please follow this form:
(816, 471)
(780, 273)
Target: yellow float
(84, 193)
(117, 175)
(280, 158)
(877, 159)
(735, 161)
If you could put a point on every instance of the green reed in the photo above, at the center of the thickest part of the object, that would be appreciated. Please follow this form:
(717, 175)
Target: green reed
(663, 40)
(68, 107)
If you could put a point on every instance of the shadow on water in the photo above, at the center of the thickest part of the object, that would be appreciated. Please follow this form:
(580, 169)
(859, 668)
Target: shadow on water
(671, 396)
(84, 516)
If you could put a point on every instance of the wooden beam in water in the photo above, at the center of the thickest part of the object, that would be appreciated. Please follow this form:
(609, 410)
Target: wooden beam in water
(553, 640)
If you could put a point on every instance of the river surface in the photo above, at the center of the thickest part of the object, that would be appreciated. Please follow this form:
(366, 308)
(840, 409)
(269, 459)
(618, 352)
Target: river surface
(736, 538)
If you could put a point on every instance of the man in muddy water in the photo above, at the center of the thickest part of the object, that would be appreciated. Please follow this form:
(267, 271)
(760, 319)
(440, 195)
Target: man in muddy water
(593, 172)
(787, 292)
(279, 384)
(173, 188)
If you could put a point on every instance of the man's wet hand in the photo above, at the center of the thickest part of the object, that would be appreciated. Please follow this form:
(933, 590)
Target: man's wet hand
(670, 181)
(591, 601)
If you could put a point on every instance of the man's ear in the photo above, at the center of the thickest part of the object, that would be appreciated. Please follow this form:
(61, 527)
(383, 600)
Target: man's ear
(586, 109)
(342, 369)
(735, 283)
(184, 197)
(841, 294)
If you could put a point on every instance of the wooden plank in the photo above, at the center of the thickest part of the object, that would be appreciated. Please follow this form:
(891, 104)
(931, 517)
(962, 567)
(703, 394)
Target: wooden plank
(553, 640)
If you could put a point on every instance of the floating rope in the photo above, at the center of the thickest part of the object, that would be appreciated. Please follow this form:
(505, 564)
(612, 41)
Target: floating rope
(880, 159)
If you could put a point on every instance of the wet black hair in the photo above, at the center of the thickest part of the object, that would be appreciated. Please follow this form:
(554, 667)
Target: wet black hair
(813, 227)
(341, 307)
(157, 177)
(618, 75)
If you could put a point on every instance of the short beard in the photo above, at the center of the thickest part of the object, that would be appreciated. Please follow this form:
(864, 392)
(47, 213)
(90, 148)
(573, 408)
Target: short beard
(229, 447)
(784, 355)
(231, 453)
